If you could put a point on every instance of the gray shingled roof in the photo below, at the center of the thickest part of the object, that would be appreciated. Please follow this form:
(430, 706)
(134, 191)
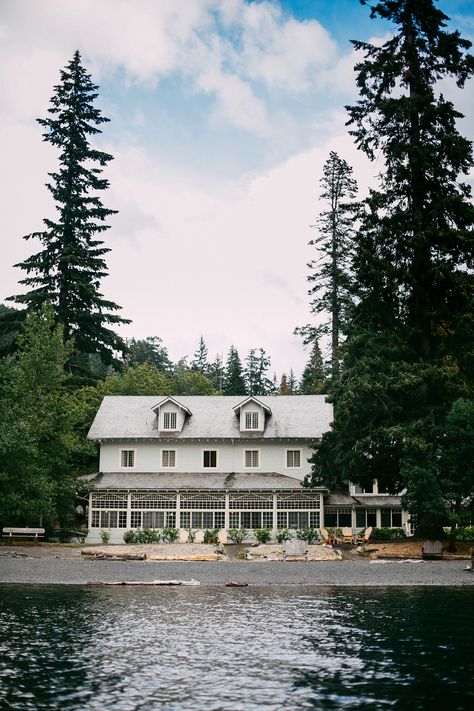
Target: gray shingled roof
(265, 481)
(131, 417)
(366, 502)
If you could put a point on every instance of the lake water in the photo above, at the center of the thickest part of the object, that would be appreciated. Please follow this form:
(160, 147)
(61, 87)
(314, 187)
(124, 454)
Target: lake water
(68, 647)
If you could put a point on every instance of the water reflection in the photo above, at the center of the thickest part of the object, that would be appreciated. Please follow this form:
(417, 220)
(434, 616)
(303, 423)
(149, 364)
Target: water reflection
(219, 649)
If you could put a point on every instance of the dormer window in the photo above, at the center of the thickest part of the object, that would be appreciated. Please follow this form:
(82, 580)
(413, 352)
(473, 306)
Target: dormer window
(170, 420)
(251, 420)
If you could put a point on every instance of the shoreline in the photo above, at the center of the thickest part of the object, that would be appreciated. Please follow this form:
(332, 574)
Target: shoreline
(348, 573)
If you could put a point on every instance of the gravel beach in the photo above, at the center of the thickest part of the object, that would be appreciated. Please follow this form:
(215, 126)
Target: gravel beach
(379, 573)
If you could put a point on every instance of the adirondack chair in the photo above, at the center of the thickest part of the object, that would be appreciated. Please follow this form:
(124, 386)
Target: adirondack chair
(325, 535)
(347, 535)
(364, 535)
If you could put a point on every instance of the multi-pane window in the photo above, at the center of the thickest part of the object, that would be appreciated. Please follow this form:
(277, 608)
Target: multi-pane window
(338, 518)
(252, 458)
(368, 489)
(168, 458)
(298, 519)
(170, 420)
(293, 458)
(209, 459)
(251, 420)
(127, 458)
(366, 518)
(391, 518)
(109, 519)
(153, 519)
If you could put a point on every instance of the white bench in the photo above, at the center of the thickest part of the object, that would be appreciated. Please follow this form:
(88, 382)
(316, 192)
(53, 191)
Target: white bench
(24, 533)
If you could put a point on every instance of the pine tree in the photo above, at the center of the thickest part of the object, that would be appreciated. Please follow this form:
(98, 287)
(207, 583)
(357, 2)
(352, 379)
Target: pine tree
(148, 350)
(233, 381)
(215, 373)
(313, 380)
(331, 270)
(199, 362)
(284, 389)
(409, 352)
(67, 271)
(255, 373)
(292, 383)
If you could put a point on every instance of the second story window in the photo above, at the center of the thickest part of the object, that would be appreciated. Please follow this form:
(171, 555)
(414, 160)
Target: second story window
(293, 458)
(168, 458)
(127, 458)
(251, 458)
(170, 420)
(209, 459)
(251, 420)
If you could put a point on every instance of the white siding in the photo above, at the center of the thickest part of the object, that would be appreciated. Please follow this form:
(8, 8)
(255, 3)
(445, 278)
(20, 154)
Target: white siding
(189, 456)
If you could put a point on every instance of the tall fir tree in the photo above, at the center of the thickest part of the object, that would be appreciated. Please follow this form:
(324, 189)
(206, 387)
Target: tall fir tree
(233, 382)
(331, 276)
(148, 350)
(257, 381)
(199, 363)
(409, 353)
(68, 269)
(313, 379)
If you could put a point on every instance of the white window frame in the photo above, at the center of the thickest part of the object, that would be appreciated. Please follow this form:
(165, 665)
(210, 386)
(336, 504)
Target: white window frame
(171, 413)
(202, 459)
(288, 466)
(169, 466)
(134, 458)
(251, 414)
(258, 459)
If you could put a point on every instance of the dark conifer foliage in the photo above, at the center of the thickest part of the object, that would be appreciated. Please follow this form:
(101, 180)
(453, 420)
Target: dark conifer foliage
(313, 380)
(233, 382)
(331, 276)
(200, 362)
(68, 269)
(409, 352)
(257, 381)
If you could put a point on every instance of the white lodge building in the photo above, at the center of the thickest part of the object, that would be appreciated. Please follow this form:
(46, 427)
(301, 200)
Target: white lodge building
(207, 462)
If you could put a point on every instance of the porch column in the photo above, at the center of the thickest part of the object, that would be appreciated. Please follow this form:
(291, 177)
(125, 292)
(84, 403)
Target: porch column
(129, 510)
(321, 510)
(178, 510)
(226, 512)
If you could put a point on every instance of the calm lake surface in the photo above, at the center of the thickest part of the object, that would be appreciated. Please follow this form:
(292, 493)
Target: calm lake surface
(68, 647)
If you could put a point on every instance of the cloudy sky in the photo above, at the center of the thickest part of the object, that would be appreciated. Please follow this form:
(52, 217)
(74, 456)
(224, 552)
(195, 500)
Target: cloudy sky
(222, 115)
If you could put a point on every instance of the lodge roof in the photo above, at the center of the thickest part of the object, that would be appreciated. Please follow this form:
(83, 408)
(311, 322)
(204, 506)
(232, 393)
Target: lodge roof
(159, 481)
(132, 417)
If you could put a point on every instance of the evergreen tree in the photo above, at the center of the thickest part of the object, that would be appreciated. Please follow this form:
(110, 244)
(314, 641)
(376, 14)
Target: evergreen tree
(409, 353)
(199, 363)
(284, 389)
(68, 269)
(36, 435)
(233, 382)
(215, 373)
(331, 269)
(255, 373)
(313, 380)
(149, 350)
(292, 383)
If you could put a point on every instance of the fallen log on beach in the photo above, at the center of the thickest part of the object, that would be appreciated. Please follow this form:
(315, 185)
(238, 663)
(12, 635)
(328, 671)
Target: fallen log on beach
(146, 582)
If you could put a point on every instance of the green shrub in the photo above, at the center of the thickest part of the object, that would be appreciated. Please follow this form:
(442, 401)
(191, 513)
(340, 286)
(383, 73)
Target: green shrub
(283, 535)
(237, 535)
(263, 535)
(170, 534)
(388, 534)
(211, 536)
(129, 537)
(465, 533)
(307, 534)
(105, 537)
(142, 535)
